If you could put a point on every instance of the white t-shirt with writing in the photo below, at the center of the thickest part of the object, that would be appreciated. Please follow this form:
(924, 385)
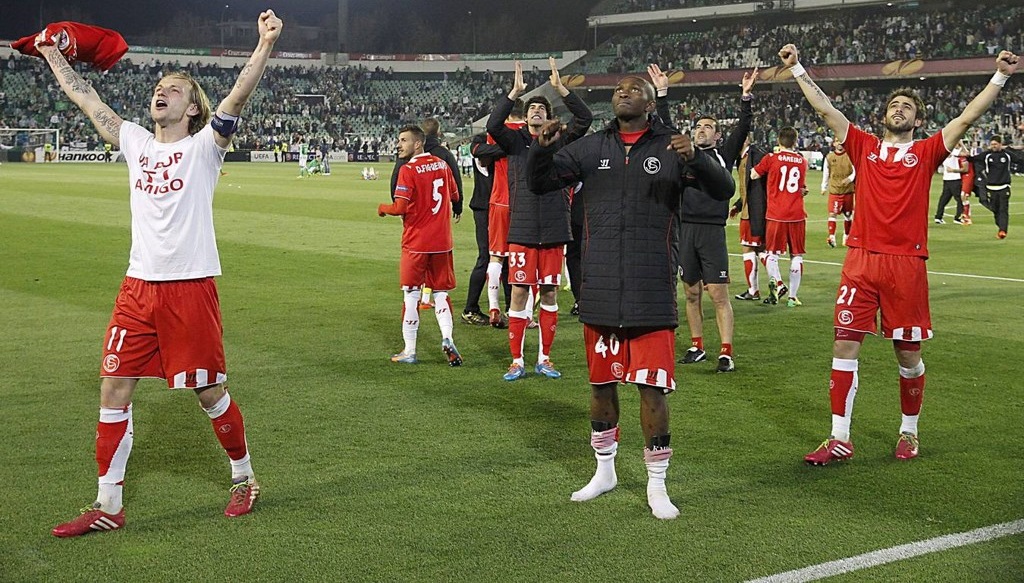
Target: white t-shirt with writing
(172, 204)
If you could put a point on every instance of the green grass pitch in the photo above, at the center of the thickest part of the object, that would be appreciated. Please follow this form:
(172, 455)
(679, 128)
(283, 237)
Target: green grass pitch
(378, 472)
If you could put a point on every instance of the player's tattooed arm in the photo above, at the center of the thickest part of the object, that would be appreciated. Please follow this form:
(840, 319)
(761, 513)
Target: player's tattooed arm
(107, 123)
(69, 80)
(815, 96)
(269, 26)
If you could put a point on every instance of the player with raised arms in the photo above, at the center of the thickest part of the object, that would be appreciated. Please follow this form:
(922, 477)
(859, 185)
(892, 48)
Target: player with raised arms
(884, 271)
(166, 321)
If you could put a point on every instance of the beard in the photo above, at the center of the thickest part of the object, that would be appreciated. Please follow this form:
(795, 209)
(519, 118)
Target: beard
(898, 128)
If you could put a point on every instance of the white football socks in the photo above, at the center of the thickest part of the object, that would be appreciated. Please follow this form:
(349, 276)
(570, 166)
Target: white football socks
(771, 263)
(796, 271)
(605, 446)
(493, 285)
(411, 320)
(657, 495)
(443, 313)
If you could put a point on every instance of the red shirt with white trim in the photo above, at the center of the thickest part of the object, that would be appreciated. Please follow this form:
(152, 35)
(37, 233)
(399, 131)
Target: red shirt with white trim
(893, 185)
(786, 173)
(426, 182)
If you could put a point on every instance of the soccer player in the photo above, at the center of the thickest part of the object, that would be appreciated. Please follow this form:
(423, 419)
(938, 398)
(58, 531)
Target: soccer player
(953, 169)
(703, 253)
(635, 173)
(498, 214)
(303, 157)
(539, 221)
(166, 321)
(424, 192)
(837, 178)
(884, 271)
(750, 206)
(483, 181)
(966, 182)
(786, 228)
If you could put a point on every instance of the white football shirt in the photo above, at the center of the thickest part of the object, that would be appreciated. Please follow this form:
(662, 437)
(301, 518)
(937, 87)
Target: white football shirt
(172, 204)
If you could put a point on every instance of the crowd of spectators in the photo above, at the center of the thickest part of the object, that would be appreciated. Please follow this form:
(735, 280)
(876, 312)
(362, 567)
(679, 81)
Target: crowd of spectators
(627, 6)
(349, 108)
(845, 36)
(863, 106)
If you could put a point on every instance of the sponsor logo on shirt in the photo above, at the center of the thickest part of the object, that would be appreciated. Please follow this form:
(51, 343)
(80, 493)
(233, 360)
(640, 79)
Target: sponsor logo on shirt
(605, 164)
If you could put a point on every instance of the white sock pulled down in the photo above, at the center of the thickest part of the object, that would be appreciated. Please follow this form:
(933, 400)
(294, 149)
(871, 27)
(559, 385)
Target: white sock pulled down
(657, 495)
(605, 444)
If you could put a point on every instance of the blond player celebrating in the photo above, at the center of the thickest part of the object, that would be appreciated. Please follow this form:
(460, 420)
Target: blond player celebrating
(884, 271)
(166, 321)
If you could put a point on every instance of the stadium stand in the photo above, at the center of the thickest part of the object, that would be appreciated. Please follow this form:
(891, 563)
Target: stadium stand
(355, 108)
(847, 36)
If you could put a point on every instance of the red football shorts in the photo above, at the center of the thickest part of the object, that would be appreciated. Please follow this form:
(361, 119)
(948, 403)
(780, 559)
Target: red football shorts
(839, 204)
(746, 238)
(436, 270)
(497, 229)
(895, 285)
(781, 237)
(642, 356)
(166, 329)
(535, 265)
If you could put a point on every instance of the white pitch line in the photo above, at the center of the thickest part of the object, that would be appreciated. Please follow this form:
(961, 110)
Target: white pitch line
(893, 554)
(947, 274)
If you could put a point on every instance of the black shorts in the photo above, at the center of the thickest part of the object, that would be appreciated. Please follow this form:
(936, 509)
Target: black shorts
(703, 255)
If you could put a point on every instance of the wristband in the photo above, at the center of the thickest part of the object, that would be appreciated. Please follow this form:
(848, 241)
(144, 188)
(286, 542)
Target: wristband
(999, 79)
(662, 92)
(797, 70)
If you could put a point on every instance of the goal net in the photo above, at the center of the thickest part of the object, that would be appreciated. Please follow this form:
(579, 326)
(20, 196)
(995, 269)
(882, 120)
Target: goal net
(39, 141)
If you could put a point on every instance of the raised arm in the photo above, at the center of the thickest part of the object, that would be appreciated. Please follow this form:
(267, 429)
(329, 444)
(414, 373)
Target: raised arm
(815, 96)
(1006, 64)
(660, 81)
(733, 146)
(502, 108)
(107, 123)
(582, 117)
(270, 29)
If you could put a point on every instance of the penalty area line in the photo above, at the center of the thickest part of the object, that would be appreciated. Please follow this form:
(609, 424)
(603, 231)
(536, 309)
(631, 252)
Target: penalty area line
(897, 553)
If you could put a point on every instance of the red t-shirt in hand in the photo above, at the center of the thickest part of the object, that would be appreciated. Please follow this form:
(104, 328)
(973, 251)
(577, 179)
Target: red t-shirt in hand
(786, 173)
(893, 185)
(90, 44)
(426, 182)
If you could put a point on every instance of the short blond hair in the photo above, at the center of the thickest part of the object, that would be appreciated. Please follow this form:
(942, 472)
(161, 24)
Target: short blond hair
(197, 97)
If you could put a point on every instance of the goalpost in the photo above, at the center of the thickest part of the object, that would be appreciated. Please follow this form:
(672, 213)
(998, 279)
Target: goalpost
(34, 140)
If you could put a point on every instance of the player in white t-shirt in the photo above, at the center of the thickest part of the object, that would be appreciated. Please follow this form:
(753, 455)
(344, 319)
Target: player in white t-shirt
(166, 321)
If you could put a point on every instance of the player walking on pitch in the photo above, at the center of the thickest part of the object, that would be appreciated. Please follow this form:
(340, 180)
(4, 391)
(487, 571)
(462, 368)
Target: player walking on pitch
(884, 271)
(166, 321)
(424, 192)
